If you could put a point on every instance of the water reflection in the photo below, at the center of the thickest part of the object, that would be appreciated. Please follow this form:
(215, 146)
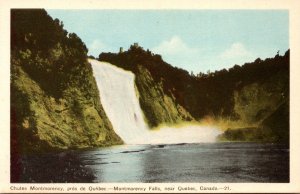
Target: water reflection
(117, 167)
(207, 162)
(239, 162)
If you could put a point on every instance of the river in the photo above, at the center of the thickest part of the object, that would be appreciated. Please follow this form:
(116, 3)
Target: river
(194, 163)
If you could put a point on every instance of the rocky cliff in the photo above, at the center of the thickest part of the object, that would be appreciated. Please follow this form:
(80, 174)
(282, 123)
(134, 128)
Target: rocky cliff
(55, 103)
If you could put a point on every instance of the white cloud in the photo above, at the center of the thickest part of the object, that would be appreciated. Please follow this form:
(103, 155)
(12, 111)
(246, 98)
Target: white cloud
(236, 50)
(96, 47)
(175, 46)
(236, 53)
(178, 53)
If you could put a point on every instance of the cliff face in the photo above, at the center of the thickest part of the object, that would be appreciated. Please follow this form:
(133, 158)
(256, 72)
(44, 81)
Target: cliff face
(256, 101)
(274, 128)
(242, 97)
(158, 107)
(55, 103)
(263, 104)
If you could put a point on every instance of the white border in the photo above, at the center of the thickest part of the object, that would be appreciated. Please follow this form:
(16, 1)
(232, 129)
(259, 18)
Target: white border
(293, 6)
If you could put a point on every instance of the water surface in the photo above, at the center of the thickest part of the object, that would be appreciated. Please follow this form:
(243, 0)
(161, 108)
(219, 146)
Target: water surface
(199, 163)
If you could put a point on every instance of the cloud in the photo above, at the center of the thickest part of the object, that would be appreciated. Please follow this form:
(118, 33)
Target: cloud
(236, 50)
(236, 53)
(174, 46)
(178, 53)
(96, 47)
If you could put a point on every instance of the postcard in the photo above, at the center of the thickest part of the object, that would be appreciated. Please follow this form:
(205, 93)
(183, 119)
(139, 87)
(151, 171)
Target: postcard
(149, 97)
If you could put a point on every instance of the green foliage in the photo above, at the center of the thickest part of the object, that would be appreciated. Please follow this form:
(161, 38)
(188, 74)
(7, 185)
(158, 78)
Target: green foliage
(273, 129)
(55, 102)
(49, 54)
(278, 123)
(154, 81)
(159, 108)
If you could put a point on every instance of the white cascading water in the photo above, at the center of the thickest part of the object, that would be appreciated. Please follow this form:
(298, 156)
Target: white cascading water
(120, 103)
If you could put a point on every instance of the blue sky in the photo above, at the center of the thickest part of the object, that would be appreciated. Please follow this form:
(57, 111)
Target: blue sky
(195, 40)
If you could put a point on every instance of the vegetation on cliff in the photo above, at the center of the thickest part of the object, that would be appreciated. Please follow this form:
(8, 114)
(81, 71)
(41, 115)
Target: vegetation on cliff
(158, 101)
(275, 129)
(242, 96)
(55, 103)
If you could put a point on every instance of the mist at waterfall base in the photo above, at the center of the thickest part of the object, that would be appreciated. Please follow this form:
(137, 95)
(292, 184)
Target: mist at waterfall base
(119, 99)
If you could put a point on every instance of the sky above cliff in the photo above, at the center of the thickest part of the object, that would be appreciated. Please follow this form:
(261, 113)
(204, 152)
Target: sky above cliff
(195, 40)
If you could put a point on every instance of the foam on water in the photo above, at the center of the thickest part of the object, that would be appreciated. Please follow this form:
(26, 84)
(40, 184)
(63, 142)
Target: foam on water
(121, 104)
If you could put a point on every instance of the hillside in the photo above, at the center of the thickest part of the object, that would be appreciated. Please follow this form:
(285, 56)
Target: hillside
(240, 97)
(55, 103)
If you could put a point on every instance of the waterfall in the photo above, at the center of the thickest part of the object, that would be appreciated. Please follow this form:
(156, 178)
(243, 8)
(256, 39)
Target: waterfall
(121, 104)
(119, 101)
